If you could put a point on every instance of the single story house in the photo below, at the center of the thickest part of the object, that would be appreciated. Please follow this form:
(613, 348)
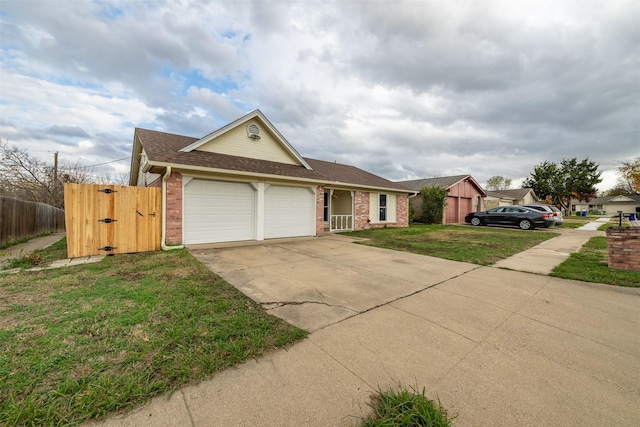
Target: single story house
(517, 196)
(608, 205)
(245, 181)
(464, 195)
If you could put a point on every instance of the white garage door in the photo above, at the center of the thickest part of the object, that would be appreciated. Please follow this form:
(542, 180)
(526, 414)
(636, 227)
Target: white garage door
(217, 211)
(288, 212)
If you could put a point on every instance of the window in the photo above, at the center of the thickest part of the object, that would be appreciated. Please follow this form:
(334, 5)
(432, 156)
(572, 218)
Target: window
(326, 206)
(382, 204)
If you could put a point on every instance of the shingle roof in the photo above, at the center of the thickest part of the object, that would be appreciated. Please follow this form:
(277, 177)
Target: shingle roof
(164, 147)
(516, 193)
(607, 199)
(337, 172)
(444, 182)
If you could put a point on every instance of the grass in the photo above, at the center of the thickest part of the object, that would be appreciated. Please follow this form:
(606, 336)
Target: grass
(477, 245)
(401, 406)
(591, 265)
(78, 343)
(573, 222)
(40, 257)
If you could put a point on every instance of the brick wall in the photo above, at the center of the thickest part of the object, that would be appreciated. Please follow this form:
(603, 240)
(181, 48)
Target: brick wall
(361, 210)
(402, 214)
(174, 209)
(319, 210)
(624, 248)
(361, 215)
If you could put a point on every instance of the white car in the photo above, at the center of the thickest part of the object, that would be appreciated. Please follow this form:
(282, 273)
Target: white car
(557, 213)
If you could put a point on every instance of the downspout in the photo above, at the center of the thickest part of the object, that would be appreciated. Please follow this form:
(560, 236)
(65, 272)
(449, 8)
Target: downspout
(163, 243)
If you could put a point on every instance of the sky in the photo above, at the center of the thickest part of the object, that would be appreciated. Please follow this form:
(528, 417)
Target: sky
(404, 90)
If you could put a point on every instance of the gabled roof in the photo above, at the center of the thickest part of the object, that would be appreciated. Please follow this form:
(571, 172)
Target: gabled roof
(166, 149)
(516, 193)
(442, 182)
(499, 195)
(252, 115)
(631, 200)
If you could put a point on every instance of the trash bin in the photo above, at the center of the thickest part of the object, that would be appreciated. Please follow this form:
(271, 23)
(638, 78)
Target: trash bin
(632, 217)
(584, 213)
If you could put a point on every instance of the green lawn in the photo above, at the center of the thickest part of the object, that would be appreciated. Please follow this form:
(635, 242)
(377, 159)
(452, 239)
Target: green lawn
(477, 245)
(41, 257)
(591, 265)
(81, 342)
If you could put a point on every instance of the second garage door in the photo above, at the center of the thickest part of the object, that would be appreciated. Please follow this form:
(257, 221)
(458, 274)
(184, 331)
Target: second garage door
(288, 212)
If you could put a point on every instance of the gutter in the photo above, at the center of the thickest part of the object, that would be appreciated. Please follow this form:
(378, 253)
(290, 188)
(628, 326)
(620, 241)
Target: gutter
(163, 241)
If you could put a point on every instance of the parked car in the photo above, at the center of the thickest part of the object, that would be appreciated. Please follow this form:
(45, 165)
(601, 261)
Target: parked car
(520, 216)
(557, 213)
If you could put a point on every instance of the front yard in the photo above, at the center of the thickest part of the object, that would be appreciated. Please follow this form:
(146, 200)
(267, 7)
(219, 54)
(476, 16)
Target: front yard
(476, 245)
(591, 265)
(77, 343)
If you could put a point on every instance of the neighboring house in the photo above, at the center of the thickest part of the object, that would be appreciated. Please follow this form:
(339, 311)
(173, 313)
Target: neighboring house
(517, 196)
(608, 205)
(464, 195)
(246, 182)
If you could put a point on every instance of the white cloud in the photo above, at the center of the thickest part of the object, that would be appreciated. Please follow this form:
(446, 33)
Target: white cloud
(413, 90)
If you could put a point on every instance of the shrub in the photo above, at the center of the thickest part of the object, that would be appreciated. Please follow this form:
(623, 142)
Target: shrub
(434, 199)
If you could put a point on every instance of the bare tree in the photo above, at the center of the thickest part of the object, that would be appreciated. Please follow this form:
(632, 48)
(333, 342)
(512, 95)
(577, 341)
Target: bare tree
(26, 177)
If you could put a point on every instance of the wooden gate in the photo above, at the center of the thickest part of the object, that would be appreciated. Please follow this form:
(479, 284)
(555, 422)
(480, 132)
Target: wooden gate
(112, 219)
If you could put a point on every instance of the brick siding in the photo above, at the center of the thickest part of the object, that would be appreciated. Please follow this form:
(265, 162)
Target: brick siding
(319, 210)
(174, 209)
(624, 248)
(361, 210)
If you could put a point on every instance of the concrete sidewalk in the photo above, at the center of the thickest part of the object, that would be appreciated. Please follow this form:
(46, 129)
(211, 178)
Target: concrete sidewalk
(23, 249)
(542, 258)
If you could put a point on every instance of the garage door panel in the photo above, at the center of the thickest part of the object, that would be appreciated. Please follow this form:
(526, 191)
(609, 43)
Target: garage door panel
(288, 212)
(218, 211)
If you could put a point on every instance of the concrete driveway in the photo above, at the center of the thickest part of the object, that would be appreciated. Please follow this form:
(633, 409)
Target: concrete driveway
(313, 283)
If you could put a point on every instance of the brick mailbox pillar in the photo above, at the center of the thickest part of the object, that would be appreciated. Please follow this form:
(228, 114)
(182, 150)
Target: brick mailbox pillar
(624, 248)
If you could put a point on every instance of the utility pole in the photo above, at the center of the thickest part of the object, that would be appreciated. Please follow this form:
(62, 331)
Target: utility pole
(55, 177)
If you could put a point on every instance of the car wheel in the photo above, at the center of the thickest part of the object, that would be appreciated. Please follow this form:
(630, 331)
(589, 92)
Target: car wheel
(525, 224)
(476, 221)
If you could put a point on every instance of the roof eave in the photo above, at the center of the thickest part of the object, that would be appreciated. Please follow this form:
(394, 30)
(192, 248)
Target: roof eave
(201, 169)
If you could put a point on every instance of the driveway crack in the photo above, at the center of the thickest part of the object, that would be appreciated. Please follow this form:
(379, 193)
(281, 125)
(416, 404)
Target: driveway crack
(270, 305)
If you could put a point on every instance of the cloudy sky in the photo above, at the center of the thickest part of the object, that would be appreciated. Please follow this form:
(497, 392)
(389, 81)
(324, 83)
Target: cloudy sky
(402, 89)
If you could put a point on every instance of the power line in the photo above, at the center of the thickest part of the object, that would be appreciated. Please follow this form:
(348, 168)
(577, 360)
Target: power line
(105, 163)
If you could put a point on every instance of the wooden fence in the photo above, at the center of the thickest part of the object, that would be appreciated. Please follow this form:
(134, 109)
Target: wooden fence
(112, 219)
(20, 219)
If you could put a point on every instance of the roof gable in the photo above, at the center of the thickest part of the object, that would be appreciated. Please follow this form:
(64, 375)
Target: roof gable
(251, 136)
(442, 182)
(620, 198)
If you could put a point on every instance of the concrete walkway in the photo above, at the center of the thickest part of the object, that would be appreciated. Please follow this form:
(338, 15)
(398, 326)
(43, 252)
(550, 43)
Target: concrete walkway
(24, 249)
(594, 225)
(497, 347)
(541, 259)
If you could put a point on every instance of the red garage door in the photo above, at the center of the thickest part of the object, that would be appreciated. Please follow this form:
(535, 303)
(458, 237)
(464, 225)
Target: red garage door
(457, 209)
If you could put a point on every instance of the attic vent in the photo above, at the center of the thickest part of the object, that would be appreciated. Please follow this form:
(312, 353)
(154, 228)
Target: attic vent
(253, 131)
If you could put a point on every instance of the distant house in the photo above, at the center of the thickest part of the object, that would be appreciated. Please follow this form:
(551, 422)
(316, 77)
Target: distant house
(518, 196)
(608, 205)
(464, 195)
